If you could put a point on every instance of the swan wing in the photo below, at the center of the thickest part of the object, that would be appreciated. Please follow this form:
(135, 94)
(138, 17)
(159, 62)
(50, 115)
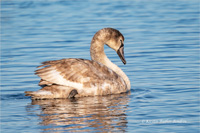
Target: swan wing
(84, 75)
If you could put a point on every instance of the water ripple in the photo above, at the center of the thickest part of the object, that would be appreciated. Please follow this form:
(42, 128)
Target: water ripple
(161, 49)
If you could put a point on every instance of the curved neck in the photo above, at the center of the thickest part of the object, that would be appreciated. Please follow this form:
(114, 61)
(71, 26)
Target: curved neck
(97, 54)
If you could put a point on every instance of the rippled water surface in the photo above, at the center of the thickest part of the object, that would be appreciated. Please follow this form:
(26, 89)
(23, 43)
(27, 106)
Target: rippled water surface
(161, 49)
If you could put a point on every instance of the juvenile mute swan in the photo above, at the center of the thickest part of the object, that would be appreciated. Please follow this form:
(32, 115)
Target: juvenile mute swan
(73, 77)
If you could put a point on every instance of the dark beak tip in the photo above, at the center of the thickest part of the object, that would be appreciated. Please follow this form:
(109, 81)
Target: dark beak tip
(124, 61)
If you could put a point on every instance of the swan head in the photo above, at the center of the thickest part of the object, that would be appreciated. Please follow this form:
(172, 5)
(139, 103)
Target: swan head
(115, 40)
(112, 38)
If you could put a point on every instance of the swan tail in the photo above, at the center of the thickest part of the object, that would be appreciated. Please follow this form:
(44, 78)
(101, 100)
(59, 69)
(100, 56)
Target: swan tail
(53, 92)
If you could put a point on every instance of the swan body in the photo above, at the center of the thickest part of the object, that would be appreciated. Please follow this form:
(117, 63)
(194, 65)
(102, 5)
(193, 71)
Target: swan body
(74, 77)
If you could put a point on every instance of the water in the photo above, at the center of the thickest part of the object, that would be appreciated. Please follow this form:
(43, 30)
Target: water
(161, 49)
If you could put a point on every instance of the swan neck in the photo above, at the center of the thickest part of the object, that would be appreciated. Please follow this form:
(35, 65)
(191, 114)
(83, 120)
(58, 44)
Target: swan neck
(118, 70)
(97, 54)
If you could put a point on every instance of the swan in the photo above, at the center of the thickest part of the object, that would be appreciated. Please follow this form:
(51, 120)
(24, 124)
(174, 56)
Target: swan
(76, 77)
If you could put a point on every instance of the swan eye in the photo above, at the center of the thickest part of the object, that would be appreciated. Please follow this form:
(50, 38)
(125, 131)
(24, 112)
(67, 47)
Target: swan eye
(122, 44)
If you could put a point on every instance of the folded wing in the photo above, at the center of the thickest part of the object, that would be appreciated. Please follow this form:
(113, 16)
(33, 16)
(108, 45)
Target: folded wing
(88, 77)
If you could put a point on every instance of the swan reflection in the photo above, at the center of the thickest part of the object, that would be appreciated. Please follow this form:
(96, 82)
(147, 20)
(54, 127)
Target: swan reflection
(99, 113)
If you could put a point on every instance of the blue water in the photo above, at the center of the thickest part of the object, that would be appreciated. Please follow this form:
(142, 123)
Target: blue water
(161, 49)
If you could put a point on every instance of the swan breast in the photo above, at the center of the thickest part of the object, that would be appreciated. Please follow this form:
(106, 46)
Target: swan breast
(88, 77)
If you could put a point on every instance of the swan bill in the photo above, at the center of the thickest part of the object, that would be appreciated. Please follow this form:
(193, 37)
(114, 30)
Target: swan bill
(120, 53)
